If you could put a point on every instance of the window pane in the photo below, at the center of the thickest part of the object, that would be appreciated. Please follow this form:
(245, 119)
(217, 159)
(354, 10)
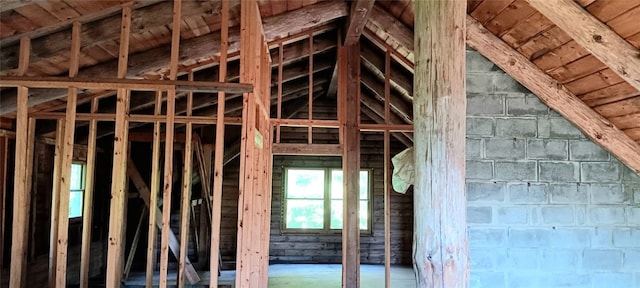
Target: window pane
(364, 184)
(76, 177)
(336, 214)
(306, 184)
(75, 204)
(336, 184)
(364, 215)
(305, 214)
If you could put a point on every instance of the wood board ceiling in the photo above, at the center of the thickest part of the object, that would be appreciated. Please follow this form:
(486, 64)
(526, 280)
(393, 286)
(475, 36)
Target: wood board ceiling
(598, 78)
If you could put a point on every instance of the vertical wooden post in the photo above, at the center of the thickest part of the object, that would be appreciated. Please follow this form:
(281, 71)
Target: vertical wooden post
(387, 171)
(186, 191)
(349, 79)
(441, 257)
(21, 193)
(216, 200)
(55, 201)
(279, 103)
(116, 239)
(168, 158)
(153, 194)
(310, 127)
(4, 158)
(67, 159)
(87, 213)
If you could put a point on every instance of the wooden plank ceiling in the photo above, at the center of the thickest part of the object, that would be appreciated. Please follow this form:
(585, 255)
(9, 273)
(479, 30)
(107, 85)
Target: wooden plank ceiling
(389, 26)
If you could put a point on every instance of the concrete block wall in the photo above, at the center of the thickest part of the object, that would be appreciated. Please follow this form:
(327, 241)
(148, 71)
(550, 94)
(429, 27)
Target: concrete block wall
(546, 206)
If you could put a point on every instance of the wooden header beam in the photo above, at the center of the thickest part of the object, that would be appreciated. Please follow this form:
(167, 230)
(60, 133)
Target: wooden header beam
(594, 36)
(307, 149)
(554, 94)
(129, 84)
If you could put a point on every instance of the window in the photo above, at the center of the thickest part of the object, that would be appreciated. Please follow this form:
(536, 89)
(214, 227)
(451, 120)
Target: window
(76, 193)
(314, 198)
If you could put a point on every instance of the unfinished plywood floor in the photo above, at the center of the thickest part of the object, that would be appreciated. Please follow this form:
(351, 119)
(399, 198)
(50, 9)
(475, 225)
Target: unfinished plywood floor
(307, 276)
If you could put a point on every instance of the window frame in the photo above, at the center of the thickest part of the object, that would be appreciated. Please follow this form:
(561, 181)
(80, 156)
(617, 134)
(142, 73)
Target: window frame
(83, 183)
(327, 202)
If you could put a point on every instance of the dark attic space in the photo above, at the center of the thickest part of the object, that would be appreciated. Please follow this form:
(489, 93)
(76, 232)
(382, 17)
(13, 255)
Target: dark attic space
(320, 143)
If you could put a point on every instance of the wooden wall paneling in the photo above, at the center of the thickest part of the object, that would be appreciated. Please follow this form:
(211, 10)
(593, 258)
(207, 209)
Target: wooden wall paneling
(87, 214)
(441, 247)
(186, 192)
(116, 232)
(216, 198)
(55, 200)
(21, 190)
(349, 79)
(594, 36)
(555, 95)
(67, 159)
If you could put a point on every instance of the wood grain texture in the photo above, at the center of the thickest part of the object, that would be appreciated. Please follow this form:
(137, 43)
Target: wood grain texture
(594, 36)
(555, 95)
(441, 253)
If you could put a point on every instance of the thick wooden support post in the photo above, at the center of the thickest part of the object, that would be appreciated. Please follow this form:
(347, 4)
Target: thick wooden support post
(349, 85)
(387, 172)
(441, 253)
(594, 36)
(21, 190)
(116, 237)
(216, 199)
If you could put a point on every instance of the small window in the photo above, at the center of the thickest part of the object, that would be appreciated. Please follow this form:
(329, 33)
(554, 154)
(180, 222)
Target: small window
(314, 199)
(76, 193)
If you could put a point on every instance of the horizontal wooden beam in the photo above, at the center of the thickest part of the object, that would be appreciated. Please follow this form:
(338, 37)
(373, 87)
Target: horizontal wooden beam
(129, 84)
(594, 36)
(365, 127)
(137, 118)
(307, 149)
(554, 94)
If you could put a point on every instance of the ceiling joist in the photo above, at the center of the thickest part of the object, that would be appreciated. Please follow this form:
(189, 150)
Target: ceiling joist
(593, 36)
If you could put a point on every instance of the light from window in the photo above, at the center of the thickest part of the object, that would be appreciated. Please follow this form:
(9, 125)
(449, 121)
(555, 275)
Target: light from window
(76, 193)
(314, 199)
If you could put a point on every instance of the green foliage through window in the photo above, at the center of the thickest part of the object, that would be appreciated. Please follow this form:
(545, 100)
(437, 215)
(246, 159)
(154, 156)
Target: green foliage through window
(314, 199)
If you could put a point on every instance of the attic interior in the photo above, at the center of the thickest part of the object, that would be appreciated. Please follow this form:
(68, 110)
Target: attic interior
(259, 136)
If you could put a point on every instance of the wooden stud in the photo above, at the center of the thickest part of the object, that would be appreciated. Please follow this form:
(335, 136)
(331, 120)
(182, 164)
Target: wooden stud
(67, 159)
(21, 192)
(594, 36)
(153, 193)
(117, 206)
(310, 113)
(441, 253)
(87, 214)
(387, 172)
(4, 159)
(555, 95)
(168, 160)
(186, 193)
(349, 79)
(216, 199)
(55, 200)
(279, 101)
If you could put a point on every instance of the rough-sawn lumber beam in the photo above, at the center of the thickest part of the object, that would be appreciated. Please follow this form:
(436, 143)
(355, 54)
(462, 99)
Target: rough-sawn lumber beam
(554, 94)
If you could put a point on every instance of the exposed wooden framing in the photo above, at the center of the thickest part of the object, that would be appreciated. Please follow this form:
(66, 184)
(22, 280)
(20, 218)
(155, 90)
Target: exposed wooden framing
(360, 11)
(67, 159)
(279, 100)
(55, 200)
(349, 85)
(216, 198)
(387, 171)
(4, 159)
(87, 214)
(137, 118)
(186, 193)
(153, 194)
(278, 28)
(441, 253)
(130, 84)
(146, 195)
(118, 187)
(310, 96)
(307, 149)
(594, 36)
(21, 186)
(205, 160)
(14, 4)
(555, 95)
(134, 245)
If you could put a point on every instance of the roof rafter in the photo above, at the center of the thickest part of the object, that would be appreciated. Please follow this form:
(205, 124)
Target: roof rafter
(593, 36)
(360, 11)
(554, 94)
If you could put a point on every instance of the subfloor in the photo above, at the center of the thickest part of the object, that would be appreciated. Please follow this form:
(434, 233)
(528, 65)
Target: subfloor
(308, 276)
